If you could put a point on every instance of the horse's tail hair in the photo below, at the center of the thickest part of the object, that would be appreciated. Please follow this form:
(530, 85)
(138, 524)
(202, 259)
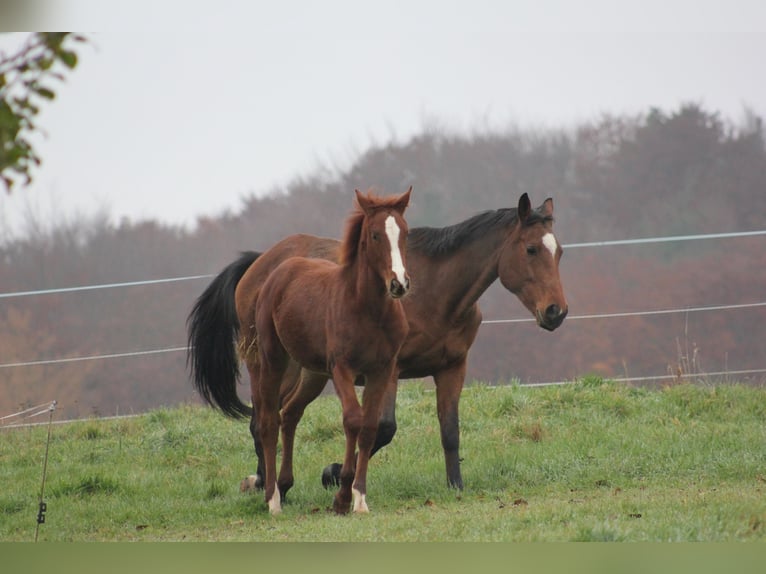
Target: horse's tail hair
(212, 330)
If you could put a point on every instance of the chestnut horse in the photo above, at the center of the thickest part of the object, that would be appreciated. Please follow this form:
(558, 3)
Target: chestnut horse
(451, 268)
(343, 320)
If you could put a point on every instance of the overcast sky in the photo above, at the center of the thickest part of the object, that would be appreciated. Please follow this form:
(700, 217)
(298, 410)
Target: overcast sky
(179, 108)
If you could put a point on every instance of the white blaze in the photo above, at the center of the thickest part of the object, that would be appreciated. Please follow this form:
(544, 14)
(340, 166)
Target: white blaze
(397, 265)
(549, 240)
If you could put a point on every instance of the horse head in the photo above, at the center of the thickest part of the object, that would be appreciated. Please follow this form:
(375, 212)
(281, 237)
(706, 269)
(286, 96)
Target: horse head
(529, 264)
(383, 238)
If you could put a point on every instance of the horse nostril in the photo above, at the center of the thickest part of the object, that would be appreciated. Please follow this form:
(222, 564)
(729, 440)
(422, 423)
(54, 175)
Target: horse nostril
(396, 289)
(552, 312)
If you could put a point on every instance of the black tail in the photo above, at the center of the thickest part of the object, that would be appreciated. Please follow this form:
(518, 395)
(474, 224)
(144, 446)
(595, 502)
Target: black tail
(213, 328)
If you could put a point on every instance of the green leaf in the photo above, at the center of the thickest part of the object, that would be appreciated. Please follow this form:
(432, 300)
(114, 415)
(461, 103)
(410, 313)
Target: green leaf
(45, 63)
(45, 93)
(68, 57)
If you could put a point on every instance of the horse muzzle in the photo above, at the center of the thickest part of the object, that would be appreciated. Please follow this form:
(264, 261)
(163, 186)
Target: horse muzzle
(398, 290)
(552, 318)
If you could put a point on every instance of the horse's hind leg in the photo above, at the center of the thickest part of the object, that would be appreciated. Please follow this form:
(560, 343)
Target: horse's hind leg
(248, 351)
(300, 395)
(273, 362)
(289, 382)
(268, 429)
(255, 481)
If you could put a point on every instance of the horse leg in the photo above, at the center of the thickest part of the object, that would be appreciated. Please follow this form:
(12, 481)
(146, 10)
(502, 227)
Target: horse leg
(255, 481)
(385, 434)
(273, 362)
(343, 380)
(387, 420)
(308, 388)
(374, 390)
(289, 384)
(268, 429)
(449, 384)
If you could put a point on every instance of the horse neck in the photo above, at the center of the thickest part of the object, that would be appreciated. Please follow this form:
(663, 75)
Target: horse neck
(476, 268)
(363, 287)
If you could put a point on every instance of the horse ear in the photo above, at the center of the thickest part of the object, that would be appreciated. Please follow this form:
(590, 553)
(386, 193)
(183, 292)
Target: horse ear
(362, 201)
(525, 207)
(547, 207)
(403, 201)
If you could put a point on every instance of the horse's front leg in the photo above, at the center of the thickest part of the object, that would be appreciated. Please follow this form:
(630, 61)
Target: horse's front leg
(372, 399)
(343, 379)
(449, 384)
(385, 434)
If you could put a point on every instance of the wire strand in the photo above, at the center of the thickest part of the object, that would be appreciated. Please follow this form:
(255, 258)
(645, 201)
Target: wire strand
(92, 357)
(101, 286)
(635, 313)
(668, 239)
(666, 377)
(44, 362)
(641, 241)
(21, 414)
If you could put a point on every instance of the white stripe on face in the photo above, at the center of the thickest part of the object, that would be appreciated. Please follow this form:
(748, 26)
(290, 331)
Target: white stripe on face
(549, 240)
(397, 265)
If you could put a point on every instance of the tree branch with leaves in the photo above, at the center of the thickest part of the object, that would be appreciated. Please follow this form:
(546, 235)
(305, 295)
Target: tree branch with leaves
(27, 80)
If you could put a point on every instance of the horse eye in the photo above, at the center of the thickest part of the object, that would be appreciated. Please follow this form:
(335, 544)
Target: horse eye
(375, 236)
(531, 250)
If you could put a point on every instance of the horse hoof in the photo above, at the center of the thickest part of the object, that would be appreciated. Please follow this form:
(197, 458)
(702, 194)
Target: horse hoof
(360, 502)
(331, 475)
(275, 510)
(251, 483)
(275, 503)
(341, 508)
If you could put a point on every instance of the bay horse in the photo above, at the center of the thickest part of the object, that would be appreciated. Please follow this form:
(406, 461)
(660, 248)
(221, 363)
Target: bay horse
(341, 319)
(451, 268)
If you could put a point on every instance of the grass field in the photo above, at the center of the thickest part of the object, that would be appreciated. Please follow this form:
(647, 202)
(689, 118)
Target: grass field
(590, 461)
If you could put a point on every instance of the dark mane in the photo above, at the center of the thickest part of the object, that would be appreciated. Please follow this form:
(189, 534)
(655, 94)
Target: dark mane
(436, 241)
(349, 245)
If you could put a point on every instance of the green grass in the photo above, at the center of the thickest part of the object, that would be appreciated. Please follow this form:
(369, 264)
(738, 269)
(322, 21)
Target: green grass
(588, 461)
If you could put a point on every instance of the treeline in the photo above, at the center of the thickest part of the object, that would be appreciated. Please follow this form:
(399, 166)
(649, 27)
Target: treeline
(686, 171)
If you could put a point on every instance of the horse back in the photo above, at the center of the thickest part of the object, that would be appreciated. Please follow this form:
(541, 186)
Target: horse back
(299, 245)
